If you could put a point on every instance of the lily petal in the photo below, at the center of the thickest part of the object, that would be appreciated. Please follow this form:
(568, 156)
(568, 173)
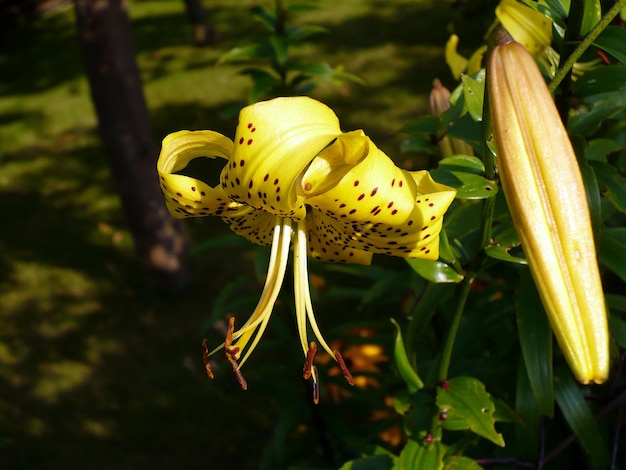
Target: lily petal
(455, 61)
(373, 207)
(186, 196)
(527, 26)
(374, 190)
(274, 142)
(416, 237)
(327, 242)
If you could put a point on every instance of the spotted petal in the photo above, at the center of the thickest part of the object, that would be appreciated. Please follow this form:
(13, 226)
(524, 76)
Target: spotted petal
(186, 196)
(367, 188)
(274, 142)
(373, 206)
(328, 241)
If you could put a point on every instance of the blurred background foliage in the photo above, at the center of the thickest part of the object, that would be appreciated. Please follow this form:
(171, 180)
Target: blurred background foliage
(100, 369)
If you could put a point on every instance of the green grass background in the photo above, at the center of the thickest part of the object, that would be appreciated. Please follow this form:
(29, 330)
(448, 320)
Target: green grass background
(97, 370)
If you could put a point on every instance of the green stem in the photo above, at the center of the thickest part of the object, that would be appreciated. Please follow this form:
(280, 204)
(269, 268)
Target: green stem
(585, 43)
(446, 353)
(570, 39)
(421, 315)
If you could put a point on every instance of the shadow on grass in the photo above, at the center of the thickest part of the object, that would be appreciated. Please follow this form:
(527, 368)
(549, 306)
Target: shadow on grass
(90, 357)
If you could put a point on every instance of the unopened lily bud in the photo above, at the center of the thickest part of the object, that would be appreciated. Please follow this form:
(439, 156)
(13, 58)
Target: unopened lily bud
(546, 196)
(440, 102)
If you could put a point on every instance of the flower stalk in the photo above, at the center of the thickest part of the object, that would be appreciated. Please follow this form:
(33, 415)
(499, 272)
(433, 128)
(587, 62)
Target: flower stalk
(547, 200)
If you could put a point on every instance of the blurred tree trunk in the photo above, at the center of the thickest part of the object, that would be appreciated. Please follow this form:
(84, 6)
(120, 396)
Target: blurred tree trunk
(116, 90)
(203, 31)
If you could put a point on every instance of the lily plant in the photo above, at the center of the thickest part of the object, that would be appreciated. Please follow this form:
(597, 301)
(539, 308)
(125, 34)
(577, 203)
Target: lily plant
(293, 180)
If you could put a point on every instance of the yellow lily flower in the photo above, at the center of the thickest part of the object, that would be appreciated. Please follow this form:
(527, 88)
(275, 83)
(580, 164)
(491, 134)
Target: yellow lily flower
(292, 176)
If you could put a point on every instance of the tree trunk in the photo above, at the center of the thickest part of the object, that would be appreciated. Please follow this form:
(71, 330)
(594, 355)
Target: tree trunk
(116, 90)
(203, 31)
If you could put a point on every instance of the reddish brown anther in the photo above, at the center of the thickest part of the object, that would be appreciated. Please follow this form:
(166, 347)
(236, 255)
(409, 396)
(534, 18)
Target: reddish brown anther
(231, 353)
(316, 386)
(308, 364)
(205, 358)
(344, 369)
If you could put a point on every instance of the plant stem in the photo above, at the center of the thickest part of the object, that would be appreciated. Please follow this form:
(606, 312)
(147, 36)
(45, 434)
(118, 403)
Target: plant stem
(568, 64)
(421, 315)
(570, 38)
(446, 353)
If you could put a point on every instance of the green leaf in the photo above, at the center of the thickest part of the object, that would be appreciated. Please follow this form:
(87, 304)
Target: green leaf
(504, 413)
(526, 432)
(417, 143)
(580, 418)
(588, 122)
(458, 462)
(301, 33)
(618, 329)
(280, 45)
(467, 185)
(616, 302)
(590, 181)
(422, 456)
(298, 7)
(613, 250)
(535, 336)
(254, 51)
(463, 173)
(371, 462)
(474, 92)
(262, 83)
(467, 399)
(406, 371)
(265, 16)
(599, 149)
(611, 183)
(612, 40)
(592, 13)
(505, 244)
(603, 83)
(423, 125)
(464, 163)
(465, 128)
(434, 271)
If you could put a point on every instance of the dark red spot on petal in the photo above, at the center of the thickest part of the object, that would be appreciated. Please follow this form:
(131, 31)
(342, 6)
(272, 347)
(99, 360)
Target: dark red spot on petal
(241, 141)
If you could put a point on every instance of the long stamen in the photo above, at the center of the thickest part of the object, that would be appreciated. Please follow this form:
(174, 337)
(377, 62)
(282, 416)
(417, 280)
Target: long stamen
(303, 294)
(233, 353)
(344, 369)
(316, 386)
(279, 274)
(308, 364)
(300, 287)
(302, 273)
(273, 282)
(205, 359)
